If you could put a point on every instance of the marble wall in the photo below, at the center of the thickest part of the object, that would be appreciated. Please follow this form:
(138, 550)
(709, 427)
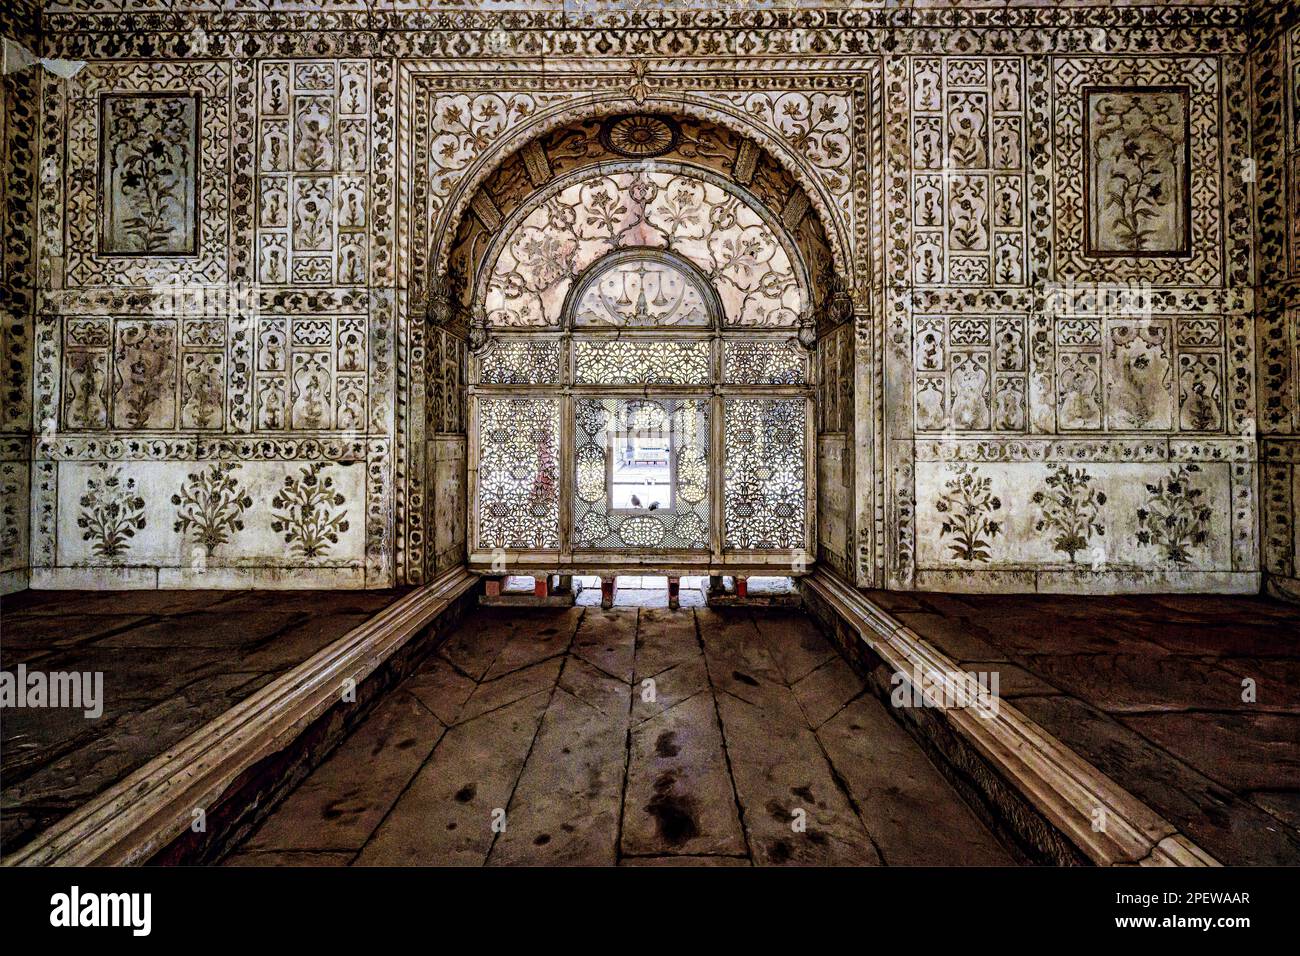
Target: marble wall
(1041, 364)
(18, 122)
(1275, 76)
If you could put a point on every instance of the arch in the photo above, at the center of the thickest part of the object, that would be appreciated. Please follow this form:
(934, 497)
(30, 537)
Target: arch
(576, 136)
(529, 268)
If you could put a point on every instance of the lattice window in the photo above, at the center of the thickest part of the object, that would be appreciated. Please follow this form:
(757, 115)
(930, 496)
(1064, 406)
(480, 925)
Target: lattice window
(518, 362)
(765, 480)
(626, 362)
(519, 479)
(601, 424)
(764, 362)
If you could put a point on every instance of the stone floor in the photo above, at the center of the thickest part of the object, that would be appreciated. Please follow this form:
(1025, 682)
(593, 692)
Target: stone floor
(170, 660)
(1150, 689)
(634, 735)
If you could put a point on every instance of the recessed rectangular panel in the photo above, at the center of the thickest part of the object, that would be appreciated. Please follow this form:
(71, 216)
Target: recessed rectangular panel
(765, 484)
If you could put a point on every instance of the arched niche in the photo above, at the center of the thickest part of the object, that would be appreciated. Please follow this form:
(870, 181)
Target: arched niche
(625, 269)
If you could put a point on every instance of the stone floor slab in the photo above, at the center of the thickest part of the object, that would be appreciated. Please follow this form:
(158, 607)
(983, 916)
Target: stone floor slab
(447, 814)
(894, 785)
(338, 808)
(679, 794)
(794, 811)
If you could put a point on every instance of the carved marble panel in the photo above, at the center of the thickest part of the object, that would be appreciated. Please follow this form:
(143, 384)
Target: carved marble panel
(601, 426)
(212, 517)
(1138, 155)
(311, 373)
(1139, 161)
(518, 473)
(148, 193)
(968, 138)
(147, 176)
(1103, 517)
(765, 481)
(313, 155)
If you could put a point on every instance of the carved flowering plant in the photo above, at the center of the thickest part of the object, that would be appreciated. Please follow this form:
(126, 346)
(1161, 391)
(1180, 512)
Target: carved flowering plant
(111, 513)
(1070, 508)
(968, 505)
(211, 505)
(1138, 138)
(149, 147)
(305, 512)
(1176, 517)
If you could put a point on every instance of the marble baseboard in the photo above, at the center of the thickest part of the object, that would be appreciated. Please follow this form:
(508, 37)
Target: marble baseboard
(234, 579)
(1088, 582)
(15, 580)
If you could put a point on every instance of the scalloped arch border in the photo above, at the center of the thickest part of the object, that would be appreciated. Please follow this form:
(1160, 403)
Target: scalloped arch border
(447, 223)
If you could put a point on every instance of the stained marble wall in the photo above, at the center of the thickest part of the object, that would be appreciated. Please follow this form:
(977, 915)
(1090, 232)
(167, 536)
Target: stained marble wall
(1275, 81)
(1049, 348)
(19, 21)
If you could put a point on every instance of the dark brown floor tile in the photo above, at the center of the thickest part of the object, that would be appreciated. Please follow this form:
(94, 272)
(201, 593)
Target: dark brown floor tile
(230, 632)
(1122, 682)
(607, 640)
(1242, 751)
(441, 688)
(895, 786)
(795, 644)
(684, 861)
(958, 637)
(794, 811)
(288, 858)
(1283, 804)
(448, 814)
(565, 809)
(1228, 827)
(823, 693)
(664, 639)
(679, 794)
(492, 694)
(341, 803)
(539, 633)
(654, 695)
(50, 631)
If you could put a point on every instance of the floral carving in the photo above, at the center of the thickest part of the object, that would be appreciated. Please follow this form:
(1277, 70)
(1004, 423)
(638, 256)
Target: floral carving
(730, 244)
(1070, 509)
(1137, 142)
(305, 512)
(211, 505)
(111, 513)
(968, 506)
(1176, 518)
(149, 155)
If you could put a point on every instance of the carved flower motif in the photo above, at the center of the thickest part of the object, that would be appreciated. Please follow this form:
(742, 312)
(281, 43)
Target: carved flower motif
(640, 136)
